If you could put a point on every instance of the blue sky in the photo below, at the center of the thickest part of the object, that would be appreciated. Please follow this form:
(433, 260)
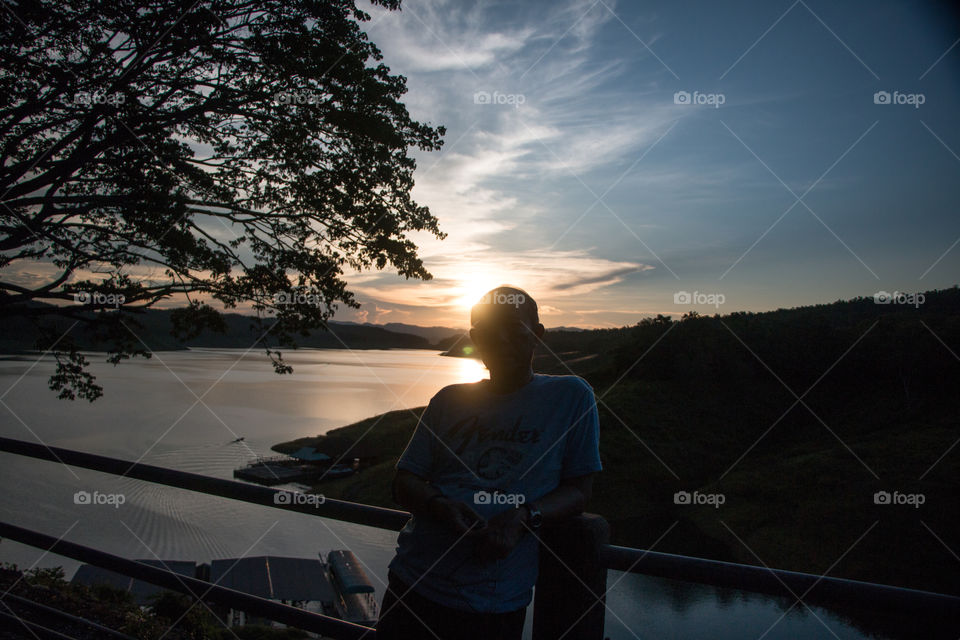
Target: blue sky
(573, 168)
(608, 157)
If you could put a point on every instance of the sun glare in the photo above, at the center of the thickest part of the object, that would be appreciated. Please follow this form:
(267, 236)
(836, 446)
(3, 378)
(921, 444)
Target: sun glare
(473, 285)
(471, 369)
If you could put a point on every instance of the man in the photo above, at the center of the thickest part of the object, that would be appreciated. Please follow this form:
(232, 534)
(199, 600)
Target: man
(489, 463)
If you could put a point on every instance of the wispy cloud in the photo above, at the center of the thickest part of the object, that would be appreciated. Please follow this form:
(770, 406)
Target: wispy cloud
(557, 279)
(559, 119)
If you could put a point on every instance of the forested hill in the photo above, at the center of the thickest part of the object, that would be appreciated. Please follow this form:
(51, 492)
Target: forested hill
(153, 327)
(795, 343)
(798, 417)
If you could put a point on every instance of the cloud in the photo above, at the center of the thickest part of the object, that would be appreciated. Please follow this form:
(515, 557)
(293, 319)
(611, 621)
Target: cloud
(376, 316)
(549, 310)
(431, 37)
(549, 276)
(588, 283)
(504, 166)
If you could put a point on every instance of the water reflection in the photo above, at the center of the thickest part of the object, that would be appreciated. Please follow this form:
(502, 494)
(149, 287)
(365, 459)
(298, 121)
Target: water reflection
(645, 607)
(472, 370)
(150, 412)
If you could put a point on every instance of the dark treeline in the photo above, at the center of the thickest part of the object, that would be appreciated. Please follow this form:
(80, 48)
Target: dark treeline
(711, 404)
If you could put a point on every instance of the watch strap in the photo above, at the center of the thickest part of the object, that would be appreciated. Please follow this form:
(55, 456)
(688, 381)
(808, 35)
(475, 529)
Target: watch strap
(535, 518)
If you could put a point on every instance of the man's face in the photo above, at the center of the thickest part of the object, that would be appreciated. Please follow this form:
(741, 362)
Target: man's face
(505, 338)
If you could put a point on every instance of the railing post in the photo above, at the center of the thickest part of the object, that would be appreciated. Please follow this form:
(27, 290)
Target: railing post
(571, 588)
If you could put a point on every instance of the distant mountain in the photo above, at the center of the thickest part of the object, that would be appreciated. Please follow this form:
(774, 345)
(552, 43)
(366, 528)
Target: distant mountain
(433, 334)
(19, 334)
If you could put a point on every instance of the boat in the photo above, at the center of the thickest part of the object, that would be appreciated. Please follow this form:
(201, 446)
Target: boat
(354, 599)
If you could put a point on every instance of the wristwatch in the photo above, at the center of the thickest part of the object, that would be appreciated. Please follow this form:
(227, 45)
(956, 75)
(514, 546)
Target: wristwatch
(534, 517)
(438, 494)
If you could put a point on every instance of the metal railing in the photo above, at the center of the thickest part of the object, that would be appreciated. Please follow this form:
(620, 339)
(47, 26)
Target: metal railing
(572, 576)
(199, 589)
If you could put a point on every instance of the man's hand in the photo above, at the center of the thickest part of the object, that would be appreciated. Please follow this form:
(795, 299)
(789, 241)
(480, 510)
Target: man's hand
(457, 515)
(415, 493)
(498, 537)
(502, 534)
(505, 529)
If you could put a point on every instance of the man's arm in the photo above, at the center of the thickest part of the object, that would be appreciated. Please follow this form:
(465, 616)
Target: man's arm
(569, 499)
(581, 462)
(505, 529)
(411, 491)
(422, 499)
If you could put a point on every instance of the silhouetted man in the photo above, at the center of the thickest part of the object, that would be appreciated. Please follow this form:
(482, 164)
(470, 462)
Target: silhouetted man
(489, 463)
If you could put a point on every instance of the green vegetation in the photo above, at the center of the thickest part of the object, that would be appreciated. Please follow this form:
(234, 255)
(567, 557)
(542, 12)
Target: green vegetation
(171, 615)
(709, 404)
(306, 162)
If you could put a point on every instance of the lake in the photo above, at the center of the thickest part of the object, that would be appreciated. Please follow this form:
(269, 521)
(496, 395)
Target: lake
(183, 410)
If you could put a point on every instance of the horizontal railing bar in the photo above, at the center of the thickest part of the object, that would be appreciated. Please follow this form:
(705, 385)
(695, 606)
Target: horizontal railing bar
(379, 517)
(822, 589)
(200, 589)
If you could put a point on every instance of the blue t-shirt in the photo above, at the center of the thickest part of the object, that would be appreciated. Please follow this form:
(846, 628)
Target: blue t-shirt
(503, 446)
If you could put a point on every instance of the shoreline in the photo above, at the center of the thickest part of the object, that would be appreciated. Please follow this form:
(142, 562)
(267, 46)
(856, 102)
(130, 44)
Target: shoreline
(377, 441)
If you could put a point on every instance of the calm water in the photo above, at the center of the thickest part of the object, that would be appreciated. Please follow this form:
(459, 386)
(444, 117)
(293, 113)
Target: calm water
(150, 412)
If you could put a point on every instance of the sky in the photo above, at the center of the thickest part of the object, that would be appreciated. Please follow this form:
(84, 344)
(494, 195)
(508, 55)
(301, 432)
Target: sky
(622, 160)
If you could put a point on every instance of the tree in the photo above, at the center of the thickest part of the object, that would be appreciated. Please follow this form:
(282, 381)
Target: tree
(243, 151)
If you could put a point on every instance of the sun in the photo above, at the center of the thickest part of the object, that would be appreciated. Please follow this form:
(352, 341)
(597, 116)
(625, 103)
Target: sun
(473, 285)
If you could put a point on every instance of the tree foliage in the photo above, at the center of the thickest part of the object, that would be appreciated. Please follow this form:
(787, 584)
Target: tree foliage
(246, 152)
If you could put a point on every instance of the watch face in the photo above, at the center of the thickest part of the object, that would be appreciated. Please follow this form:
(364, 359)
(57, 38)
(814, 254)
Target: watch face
(536, 518)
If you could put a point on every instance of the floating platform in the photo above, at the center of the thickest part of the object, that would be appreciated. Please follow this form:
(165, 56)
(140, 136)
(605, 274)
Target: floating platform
(271, 473)
(304, 466)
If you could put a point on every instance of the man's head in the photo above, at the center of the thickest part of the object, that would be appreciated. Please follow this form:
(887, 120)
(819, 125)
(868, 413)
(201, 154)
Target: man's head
(505, 327)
